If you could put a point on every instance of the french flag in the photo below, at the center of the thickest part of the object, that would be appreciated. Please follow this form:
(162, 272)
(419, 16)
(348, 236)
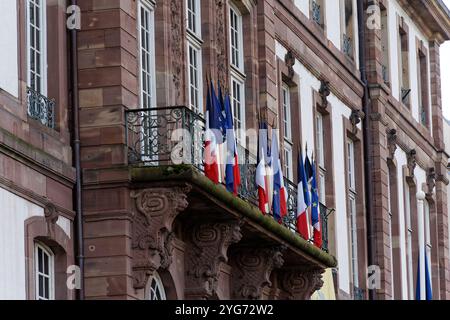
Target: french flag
(214, 127)
(232, 172)
(315, 214)
(279, 202)
(261, 172)
(303, 199)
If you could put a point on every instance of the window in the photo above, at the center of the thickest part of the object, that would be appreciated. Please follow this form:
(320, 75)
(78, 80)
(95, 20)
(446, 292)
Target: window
(236, 39)
(428, 246)
(44, 272)
(385, 44)
(422, 72)
(287, 131)
(348, 33)
(404, 65)
(320, 154)
(318, 12)
(237, 101)
(409, 241)
(193, 16)
(194, 52)
(147, 54)
(391, 233)
(351, 181)
(156, 288)
(36, 46)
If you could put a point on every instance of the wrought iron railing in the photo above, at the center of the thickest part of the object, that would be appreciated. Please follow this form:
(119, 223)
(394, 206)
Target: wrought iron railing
(316, 12)
(41, 108)
(347, 45)
(175, 135)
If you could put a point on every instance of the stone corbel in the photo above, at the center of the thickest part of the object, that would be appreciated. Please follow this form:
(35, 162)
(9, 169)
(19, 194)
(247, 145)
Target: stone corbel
(252, 268)
(51, 217)
(210, 242)
(289, 59)
(392, 143)
(431, 181)
(152, 236)
(324, 92)
(301, 282)
(355, 119)
(411, 162)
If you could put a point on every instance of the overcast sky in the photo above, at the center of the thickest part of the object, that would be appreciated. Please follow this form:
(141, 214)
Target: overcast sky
(445, 74)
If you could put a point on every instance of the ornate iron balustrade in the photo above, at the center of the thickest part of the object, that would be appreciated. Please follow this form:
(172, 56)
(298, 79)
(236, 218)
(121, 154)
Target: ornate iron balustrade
(41, 108)
(347, 45)
(316, 13)
(175, 135)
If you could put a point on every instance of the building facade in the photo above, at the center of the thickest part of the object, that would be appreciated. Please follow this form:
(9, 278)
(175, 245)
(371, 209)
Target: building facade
(154, 227)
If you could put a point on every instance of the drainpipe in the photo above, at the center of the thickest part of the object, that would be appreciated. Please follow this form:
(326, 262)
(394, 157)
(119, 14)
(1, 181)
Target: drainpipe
(368, 181)
(77, 157)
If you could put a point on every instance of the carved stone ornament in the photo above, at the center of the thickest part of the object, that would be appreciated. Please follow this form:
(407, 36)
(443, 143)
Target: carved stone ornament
(221, 42)
(411, 162)
(324, 92)
(431, 180)
(289, 59)
(176, 45)
(300, 283)
(210, 242)
(392, 143)
(51, 217)
(355, 119)
(252, 268)
(156, 209)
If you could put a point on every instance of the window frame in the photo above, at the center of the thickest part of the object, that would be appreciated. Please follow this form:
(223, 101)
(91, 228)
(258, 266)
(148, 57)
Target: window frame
(43, 44)
(195, 47)
(197, 31)
(287, 112)
(151, 96)
(235, 79)
(240, 38)
(150, 291)
(51, 268)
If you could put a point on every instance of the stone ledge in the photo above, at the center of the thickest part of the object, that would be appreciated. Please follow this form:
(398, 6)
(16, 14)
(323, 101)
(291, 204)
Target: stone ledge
(190, 174)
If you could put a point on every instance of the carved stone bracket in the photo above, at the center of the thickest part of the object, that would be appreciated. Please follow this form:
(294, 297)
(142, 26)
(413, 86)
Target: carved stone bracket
(156, 209)
(431, 180)
(300, 283)
(252, 268)
(51, 217)
(210, 242)
(324, 92)
(411, 162)
(289, 59)
(392, 143)
(355, 119)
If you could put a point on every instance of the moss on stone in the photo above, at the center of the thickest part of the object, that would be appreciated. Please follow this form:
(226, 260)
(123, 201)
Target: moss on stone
(189, 174)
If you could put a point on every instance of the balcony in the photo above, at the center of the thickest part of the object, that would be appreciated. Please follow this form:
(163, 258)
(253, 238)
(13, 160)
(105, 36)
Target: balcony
(162, 137)
(41, 108)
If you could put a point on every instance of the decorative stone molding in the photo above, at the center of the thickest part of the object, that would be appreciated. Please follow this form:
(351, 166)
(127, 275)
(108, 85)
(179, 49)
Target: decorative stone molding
(289, 59)
(152, 236)
(51, 215)
(324, 92)
(252, 268)
(392, 143)
(221, 42)
(300, 283)
(176, 45)
(411, 162)
(210, 242)
(355, 119)
(431, 181)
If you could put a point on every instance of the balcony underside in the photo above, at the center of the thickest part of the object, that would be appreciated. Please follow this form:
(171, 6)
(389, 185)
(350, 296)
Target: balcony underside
(218, 227)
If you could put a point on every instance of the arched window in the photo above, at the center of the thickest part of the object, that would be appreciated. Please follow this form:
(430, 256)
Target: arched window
(44, 272)
(155, 289)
